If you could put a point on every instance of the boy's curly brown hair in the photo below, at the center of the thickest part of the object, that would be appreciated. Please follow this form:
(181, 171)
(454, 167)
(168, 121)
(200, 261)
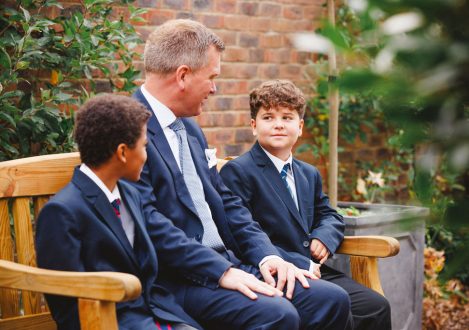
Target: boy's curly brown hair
(106, 121)
(275, 93)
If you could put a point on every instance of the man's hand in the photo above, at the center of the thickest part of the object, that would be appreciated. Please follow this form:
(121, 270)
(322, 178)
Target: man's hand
(319, 251)
(287, 273)
(239, 280)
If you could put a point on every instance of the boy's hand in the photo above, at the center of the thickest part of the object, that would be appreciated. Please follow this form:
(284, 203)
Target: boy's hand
(319, 251)
(239, 280)
(287, 273)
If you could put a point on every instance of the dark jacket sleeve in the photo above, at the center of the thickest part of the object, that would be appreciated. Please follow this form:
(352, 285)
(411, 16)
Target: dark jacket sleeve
(329, 225)
(58, 245)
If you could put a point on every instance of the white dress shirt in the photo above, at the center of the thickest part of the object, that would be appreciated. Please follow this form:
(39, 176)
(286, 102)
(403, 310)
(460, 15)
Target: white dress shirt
(125, 217)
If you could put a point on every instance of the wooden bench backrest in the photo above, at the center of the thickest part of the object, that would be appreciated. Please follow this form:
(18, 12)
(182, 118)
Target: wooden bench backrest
(25, 186)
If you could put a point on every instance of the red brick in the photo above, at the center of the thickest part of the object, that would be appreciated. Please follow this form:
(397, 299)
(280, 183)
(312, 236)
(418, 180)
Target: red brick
(259, 24)
(239, 70)
(256, 55)
(290, 71)
(232, 87)
(228, 37)
(158, 16)
(271, 40)
(249, 8)
(278, 55)
(314, 13)
(212, 21)
(269, 71)
(236, 23)
(235, 54)
(248, 39)
(176, 4)
(241, 102)
(293, 12)
(226, 6)
(202, 4)
(269, 9)
(244, 135)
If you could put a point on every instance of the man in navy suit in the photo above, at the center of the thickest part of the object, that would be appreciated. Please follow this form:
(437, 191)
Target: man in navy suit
(285, 196)
(96, 222)
(221, 267)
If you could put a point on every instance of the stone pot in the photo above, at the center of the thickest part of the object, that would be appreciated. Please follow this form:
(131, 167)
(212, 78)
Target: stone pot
(402, 275)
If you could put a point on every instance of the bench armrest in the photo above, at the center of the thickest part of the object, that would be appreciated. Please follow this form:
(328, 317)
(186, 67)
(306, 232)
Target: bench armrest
(369, 246)
(107, 286)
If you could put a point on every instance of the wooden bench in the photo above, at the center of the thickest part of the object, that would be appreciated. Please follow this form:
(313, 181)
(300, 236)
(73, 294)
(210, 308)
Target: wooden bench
(25, 186)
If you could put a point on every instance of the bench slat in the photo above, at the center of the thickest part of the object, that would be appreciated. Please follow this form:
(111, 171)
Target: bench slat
(41, 321)
(9, 299)
(25, 249)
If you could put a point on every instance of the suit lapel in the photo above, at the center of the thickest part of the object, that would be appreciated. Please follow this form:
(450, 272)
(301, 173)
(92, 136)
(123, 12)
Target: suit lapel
(303, 192)
(143, 247)
(157, 137)
(98, 199)
(273, 178)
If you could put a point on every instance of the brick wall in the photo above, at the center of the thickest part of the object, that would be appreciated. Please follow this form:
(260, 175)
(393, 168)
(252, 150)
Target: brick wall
(257, 37)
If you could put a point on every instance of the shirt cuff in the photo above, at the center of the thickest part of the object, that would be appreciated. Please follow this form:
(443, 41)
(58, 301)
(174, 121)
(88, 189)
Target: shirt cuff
(266, 258)
(313, 266)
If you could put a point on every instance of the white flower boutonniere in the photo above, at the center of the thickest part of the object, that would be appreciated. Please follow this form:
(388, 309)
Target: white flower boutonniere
(211, 155)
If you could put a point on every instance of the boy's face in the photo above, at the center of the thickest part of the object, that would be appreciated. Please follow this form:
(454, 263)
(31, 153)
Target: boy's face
(277, 130)
(136, 157)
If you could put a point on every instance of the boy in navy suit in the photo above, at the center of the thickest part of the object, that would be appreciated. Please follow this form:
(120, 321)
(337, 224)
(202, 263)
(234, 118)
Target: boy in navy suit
(285, 196)
(96, 223)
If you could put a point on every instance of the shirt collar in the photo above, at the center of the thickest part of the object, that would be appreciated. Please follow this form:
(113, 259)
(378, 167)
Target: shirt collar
(278, 163)
(111, 196)
(163, 114)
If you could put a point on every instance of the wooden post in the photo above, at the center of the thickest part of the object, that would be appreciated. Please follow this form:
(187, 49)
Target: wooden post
(333, 115)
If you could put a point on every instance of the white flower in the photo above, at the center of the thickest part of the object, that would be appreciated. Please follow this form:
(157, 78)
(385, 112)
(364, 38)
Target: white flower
(375, 178)
(211, 155)
(361, 186)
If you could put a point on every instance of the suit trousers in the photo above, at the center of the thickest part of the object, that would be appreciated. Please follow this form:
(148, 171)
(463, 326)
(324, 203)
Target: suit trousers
(370, 310)
(323, 306)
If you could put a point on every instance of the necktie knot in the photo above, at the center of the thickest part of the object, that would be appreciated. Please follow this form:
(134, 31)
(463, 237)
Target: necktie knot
(177, 125)
(116, 206)
(285, 170)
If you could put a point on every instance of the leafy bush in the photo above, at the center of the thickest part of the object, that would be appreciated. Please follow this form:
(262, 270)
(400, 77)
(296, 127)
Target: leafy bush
(51, 59)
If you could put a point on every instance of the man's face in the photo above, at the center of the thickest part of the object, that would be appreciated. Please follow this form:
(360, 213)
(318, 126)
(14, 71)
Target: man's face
(277, 130)
(136, 157)
(200, 84)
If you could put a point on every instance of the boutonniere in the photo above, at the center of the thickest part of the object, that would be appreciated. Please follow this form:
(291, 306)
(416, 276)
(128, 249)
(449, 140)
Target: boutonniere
(211, 155)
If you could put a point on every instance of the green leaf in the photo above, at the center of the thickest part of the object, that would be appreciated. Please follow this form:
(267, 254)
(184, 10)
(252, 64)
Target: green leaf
(7, 118)
(27, 15)
(5, 60)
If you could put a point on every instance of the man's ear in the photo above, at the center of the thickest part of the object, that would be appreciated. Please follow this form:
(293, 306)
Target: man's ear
(181, 76)
(121, 152)
(253, 126)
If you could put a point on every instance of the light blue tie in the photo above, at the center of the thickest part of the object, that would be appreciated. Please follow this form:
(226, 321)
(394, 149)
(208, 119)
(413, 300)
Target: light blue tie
(211, 237)
(283, 175)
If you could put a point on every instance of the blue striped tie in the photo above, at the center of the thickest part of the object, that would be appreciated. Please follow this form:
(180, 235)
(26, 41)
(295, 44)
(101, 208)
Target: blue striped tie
(211, 237)
(283, 175)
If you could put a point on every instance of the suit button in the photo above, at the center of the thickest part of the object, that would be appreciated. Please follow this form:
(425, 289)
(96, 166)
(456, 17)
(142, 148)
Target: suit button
(198, 238)
(306, 244)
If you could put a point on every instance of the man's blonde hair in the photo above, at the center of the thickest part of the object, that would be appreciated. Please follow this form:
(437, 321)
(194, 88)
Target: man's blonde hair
(179, 42)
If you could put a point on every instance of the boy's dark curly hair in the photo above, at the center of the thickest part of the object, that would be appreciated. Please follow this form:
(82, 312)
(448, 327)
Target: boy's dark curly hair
(275, 93)
(106, 121)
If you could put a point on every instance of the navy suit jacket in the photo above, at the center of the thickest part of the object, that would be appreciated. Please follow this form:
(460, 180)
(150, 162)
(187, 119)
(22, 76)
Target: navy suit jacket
(176, 228)
(77, 230)
(254, 177)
